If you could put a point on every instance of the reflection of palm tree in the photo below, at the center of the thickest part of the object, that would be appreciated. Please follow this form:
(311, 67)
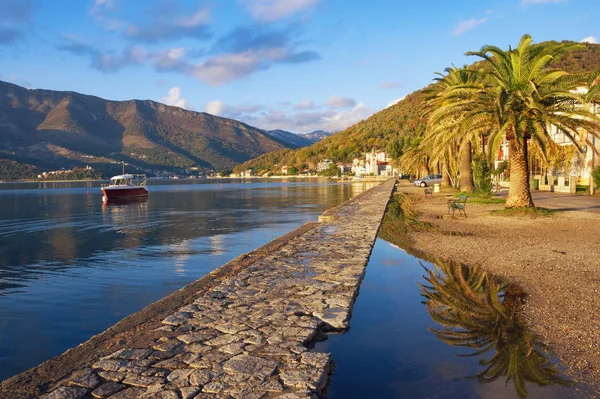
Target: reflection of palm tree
(479, 311)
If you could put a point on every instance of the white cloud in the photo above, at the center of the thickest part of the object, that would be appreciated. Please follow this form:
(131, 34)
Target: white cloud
(590, 39)
(532, 2)
(174, 98)
(215, 107)
(219, 108)
(396, 101)
(200, 17)
(170, 58)
(225, 68)
(273, 10)
(101, 6)
(302, 121)
(468, 25)
(336, 102)
(304, 105)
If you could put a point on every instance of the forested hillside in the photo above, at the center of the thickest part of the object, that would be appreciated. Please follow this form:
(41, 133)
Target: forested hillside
(394, 128)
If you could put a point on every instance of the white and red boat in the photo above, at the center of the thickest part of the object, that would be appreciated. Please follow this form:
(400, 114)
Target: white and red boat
(124, 187)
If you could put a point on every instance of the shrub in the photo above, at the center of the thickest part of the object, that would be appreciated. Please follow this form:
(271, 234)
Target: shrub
(596, 176)
(482, 175)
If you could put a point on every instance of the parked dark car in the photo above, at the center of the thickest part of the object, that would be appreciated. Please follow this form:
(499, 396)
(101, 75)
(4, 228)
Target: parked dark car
(428, 180)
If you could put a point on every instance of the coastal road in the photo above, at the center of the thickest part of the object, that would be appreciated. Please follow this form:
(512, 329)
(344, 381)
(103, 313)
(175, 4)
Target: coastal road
(563, 201)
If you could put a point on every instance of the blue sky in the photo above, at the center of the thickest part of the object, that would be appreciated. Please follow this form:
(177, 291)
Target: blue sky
(298, 65)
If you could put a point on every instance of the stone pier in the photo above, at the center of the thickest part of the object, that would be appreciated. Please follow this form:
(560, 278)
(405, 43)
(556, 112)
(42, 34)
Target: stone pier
(243, 331)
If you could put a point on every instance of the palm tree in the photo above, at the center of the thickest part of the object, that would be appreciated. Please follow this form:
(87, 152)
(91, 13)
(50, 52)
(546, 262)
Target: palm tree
(481, 312)
(443, 131)
(522, 99)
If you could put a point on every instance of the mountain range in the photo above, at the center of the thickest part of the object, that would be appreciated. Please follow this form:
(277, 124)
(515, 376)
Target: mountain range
(61, 129)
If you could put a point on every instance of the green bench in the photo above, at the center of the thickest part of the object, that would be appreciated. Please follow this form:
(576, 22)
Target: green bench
(458, 205)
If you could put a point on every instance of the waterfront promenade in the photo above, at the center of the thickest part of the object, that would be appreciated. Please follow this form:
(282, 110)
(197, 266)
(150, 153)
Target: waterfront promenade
(242, 331)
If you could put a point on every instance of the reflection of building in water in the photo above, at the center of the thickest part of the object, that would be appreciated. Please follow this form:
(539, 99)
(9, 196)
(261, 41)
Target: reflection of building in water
(217, 244)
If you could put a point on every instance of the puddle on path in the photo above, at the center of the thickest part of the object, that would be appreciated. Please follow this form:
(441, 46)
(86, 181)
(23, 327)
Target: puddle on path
(437, 330)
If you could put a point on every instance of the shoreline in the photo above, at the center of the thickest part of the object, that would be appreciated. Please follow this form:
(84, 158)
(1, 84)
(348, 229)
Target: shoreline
(555, 259)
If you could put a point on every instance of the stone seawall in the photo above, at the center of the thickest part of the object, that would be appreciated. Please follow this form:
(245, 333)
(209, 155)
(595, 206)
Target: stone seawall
(243, 331)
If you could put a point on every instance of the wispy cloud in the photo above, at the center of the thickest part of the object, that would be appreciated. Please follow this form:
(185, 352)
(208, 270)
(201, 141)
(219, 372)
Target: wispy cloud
(174, 98)
(171, 26)
(238, 112)
(466, 26)
(225, 68)
(305, 105)
(273, 10)
(76, 45)
(336, 102)
(295, 120)
(590, 39)
(101, 6)
(235, 55)
(14, 14)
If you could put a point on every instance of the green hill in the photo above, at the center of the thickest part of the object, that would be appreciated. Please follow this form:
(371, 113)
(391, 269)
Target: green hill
(394, 128)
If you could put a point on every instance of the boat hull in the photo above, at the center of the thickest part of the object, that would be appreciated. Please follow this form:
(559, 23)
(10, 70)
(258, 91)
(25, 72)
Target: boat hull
(123, 193)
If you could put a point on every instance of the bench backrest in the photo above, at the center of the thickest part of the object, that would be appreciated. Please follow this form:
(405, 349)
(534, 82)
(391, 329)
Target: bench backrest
(463, 198)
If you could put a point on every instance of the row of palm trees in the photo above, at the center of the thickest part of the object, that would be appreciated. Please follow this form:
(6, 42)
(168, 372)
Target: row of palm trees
(513, 95)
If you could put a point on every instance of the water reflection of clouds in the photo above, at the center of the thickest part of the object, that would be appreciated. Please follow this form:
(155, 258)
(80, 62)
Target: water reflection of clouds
(181, 253)
(217, 243)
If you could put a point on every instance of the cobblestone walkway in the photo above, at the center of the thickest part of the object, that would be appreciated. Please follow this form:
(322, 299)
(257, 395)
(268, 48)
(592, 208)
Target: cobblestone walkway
(248, 336)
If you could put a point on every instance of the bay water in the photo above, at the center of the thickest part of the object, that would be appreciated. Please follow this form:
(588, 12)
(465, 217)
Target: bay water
(70, 266)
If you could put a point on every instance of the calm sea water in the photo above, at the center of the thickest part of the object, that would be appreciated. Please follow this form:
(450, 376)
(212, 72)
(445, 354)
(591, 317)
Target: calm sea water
(70, 266)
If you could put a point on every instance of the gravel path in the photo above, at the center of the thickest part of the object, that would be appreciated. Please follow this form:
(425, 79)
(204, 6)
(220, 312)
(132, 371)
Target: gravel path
(556, 259)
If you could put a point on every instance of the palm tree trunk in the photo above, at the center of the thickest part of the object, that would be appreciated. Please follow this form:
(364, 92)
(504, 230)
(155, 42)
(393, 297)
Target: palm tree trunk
(445, 174)
(519, 195)
(436, 168)
(466, 173)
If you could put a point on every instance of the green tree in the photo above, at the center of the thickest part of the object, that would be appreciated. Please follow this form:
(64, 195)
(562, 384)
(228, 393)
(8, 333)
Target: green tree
(596, 177)
(332, 170)
(292, 170)
(482, 174)
(444, 130)
(522, 98)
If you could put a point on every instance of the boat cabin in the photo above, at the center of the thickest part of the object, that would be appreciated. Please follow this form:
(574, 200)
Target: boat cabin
(128, 180)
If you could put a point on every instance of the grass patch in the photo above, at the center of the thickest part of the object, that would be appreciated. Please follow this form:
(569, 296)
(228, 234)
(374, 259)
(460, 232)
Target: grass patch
(533, 212)
(480, 197)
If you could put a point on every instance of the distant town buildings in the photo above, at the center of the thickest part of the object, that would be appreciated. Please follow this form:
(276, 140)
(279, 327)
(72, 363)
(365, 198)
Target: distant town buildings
(324, 164)
(375, 163)
(45, 175)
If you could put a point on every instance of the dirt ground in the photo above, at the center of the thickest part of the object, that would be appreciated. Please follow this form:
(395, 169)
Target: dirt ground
(556, 259)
